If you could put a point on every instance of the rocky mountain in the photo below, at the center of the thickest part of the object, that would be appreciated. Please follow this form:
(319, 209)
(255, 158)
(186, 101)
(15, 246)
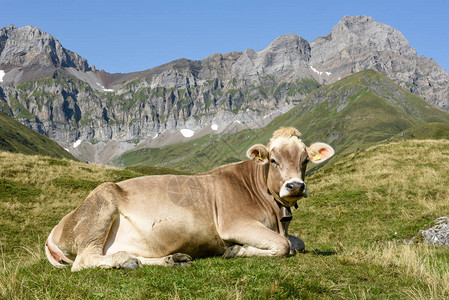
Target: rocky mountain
(358, 111)
(98, 115)
(360, 43)
(28, 53)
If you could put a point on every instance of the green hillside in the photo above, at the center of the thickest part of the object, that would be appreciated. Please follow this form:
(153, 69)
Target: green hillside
(433, 131)
(358, 111)
(15, 137)
(155, 170)
(356, 223)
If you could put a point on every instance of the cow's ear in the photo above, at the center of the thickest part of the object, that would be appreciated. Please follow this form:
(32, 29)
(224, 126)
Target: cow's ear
(258, 153)
(319, 152)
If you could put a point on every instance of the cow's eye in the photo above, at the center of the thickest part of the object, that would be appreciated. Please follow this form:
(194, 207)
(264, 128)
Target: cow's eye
(274, 162)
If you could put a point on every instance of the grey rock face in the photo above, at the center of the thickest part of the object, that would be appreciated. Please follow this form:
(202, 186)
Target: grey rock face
(360, 43)
(438, 234)
(286, 57)
(29, 47)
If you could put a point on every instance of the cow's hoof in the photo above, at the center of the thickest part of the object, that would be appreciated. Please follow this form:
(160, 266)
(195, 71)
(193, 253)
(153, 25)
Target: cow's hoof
(181, 260)
(131, 263)
(232, 251)
(296, 244)
(181, 257)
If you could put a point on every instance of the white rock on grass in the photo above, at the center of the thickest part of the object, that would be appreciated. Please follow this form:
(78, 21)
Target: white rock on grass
(438, 234)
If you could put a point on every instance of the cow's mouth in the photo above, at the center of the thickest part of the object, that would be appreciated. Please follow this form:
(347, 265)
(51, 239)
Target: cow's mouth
(289, 201)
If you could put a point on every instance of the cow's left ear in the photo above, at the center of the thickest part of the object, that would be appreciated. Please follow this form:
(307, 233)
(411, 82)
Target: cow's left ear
(258, 153)
(319, 152)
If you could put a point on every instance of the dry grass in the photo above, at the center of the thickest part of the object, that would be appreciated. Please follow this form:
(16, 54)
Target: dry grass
(413, 172)
(419, 261)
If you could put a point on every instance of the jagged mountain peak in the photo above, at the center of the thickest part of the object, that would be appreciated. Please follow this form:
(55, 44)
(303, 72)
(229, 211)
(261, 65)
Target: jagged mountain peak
(32, 32)
(29, 47)
(285, 40)
(8, 28)
(360, 43)
(379, 36)
(357, 34)
(287, 56)
(356, 21)
(289, 44)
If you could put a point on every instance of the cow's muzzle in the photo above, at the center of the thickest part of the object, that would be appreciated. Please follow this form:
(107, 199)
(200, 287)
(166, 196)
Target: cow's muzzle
(293, 188)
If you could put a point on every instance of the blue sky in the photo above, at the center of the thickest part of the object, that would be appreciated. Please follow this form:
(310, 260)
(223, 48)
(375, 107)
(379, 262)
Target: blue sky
(126, 36)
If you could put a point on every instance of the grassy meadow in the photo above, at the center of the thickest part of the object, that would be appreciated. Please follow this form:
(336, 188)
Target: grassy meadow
(361, 212)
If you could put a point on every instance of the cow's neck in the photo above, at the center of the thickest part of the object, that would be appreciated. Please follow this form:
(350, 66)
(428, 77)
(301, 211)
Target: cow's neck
(253, 176)
(285, 212)
(259, 182)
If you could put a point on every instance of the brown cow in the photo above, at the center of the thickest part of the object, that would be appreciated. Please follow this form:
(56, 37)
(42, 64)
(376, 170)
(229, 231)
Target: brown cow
(234, 211)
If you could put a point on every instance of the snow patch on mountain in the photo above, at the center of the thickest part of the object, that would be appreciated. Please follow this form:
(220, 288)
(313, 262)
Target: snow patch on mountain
(104, 89)
(187, 133)
(316, 71)
(319, 72)
(77, 143)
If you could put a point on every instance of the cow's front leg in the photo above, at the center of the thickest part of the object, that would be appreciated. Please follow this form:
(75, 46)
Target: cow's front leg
(254, 240)
(296, 244)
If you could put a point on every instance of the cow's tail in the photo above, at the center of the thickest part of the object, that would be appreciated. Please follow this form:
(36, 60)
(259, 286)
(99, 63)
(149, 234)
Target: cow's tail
(55, 255)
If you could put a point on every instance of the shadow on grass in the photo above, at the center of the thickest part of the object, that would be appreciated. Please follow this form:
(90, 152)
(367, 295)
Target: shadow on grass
(321, 253)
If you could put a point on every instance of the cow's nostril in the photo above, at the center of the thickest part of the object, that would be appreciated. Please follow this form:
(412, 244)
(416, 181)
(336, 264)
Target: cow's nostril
(293, 188)
(295, 185)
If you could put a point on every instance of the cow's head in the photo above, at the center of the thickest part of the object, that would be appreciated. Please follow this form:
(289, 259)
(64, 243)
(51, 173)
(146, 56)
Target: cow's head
(285, 159)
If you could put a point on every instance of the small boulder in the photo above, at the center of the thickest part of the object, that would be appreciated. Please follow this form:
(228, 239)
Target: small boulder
(437, 233)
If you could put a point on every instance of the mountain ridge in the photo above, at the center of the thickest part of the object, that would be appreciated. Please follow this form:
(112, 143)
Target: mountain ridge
(74, 102)
(356, 112)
